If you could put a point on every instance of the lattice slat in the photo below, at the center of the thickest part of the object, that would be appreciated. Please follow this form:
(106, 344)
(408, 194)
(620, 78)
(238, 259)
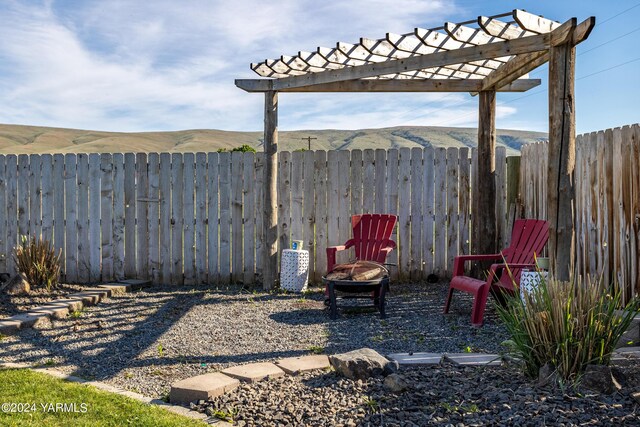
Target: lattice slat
(421, 42)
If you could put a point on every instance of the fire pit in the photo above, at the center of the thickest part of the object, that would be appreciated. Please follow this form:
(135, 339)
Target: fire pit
(357, 278)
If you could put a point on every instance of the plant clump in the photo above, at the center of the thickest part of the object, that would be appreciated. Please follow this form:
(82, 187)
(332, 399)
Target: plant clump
(38, 262)
(567, 325)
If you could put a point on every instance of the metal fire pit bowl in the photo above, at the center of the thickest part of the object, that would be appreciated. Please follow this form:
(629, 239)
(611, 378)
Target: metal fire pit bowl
(377, 288)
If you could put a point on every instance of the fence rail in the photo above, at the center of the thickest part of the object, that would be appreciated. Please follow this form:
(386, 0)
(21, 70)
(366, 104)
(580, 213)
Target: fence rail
(607, 201)
(197, 217)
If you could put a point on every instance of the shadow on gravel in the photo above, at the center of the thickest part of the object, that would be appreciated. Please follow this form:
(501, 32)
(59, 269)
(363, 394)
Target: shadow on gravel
(145, 322)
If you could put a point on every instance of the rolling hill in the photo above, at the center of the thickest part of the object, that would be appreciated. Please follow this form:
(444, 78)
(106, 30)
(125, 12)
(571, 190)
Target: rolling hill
(20, 139)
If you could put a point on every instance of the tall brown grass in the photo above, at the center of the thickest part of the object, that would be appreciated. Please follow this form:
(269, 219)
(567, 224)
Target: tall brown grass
(38, 262)
(567, 324)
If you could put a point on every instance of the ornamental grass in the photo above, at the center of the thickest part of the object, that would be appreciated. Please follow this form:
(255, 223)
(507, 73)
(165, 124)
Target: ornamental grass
(38, 262)
(568, 325)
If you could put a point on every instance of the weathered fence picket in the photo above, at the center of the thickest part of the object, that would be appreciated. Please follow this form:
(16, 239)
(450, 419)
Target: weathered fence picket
(607, 202)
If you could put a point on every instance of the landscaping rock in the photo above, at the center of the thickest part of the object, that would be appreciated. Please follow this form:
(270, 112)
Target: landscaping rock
(17, 285)
(362, 364)
(395, 383)
(547, 375)
(599, 378)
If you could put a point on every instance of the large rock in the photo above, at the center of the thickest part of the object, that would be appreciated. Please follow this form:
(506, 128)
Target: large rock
(601, 379)
(362, 364)
(17, 285)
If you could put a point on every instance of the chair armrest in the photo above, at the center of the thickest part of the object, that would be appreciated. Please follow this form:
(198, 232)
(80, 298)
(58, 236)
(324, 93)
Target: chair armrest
(458, 262)
(332, 250)
(493, 271)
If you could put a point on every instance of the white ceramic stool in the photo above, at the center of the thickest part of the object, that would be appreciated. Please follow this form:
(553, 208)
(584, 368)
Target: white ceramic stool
(294, 270)
(530, 280)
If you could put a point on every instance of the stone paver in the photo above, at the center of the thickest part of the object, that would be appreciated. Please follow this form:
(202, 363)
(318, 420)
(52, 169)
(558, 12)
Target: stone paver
(114, 288)
(254, 372)
(90, 296)
(135, 284)
(30, 319)
(55, 311)
(632, 351)
(295, 365)
(73, 304)
(9, 327)
(202, 387)
(474, 359)
(416, 358)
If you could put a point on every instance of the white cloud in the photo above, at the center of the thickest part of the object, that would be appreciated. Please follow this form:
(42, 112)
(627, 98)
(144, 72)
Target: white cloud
(135, 66)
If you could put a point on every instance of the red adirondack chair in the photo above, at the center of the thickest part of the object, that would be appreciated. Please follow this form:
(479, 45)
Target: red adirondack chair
(527, 239)
(371, 239)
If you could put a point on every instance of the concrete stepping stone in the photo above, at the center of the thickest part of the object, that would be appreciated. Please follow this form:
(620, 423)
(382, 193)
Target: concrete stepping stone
(135, 284)
(416, 358)
(55, 311)
(295, 365)
(201, 387)
(29, 320)
(254, 372)
(114, 288)
(474, 359)
(9, 326)
(73, 304)
(629, 351)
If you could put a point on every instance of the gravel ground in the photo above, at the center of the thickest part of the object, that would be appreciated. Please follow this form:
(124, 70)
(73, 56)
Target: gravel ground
(146, 340)
(441, 395)
(14, 304)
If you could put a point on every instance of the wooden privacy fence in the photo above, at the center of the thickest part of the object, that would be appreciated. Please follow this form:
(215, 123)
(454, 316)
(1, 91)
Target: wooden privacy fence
(607, 201)
(197, 217)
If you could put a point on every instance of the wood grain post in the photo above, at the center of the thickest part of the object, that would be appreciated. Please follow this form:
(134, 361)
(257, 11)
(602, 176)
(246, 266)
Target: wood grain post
(484, 212)
(513, 194)
(562, 145)
(270, 213)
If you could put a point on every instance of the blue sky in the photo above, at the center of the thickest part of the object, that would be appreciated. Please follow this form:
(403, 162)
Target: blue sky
(128, 65)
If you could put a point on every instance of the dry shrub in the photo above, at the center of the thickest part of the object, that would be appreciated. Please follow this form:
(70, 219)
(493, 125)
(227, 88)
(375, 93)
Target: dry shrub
(567, 324)
(38, 262)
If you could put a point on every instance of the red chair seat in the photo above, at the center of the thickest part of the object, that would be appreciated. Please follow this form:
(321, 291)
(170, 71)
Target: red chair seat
(527, 239)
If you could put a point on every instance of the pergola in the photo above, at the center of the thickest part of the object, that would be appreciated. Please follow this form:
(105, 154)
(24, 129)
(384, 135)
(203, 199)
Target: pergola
(483, 56)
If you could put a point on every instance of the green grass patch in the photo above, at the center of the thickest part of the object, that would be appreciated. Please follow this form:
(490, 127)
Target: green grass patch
(40, 399)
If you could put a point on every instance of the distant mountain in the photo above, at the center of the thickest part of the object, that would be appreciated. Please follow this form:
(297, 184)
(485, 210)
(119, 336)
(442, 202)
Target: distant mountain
(18, 139)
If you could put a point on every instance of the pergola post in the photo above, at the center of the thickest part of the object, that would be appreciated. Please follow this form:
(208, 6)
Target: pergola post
(270, 213)
(484, 209)
(562, 145)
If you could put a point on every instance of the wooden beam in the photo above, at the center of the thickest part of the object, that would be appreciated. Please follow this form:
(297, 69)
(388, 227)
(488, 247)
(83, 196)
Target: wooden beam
(270, 213)
(523, 64)
(412, 45)
(441, 42)
(562, 145)
(484, 217)
(391, 85)
(512, 70)
(582, 31)
(534, 23)
(437, 59)
(503, 30)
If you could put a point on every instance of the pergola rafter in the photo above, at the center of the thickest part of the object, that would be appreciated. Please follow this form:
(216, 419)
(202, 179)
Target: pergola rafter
(487, 55)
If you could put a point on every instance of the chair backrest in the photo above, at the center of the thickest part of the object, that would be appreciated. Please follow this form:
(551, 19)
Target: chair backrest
(371, 232)
(527, 240)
